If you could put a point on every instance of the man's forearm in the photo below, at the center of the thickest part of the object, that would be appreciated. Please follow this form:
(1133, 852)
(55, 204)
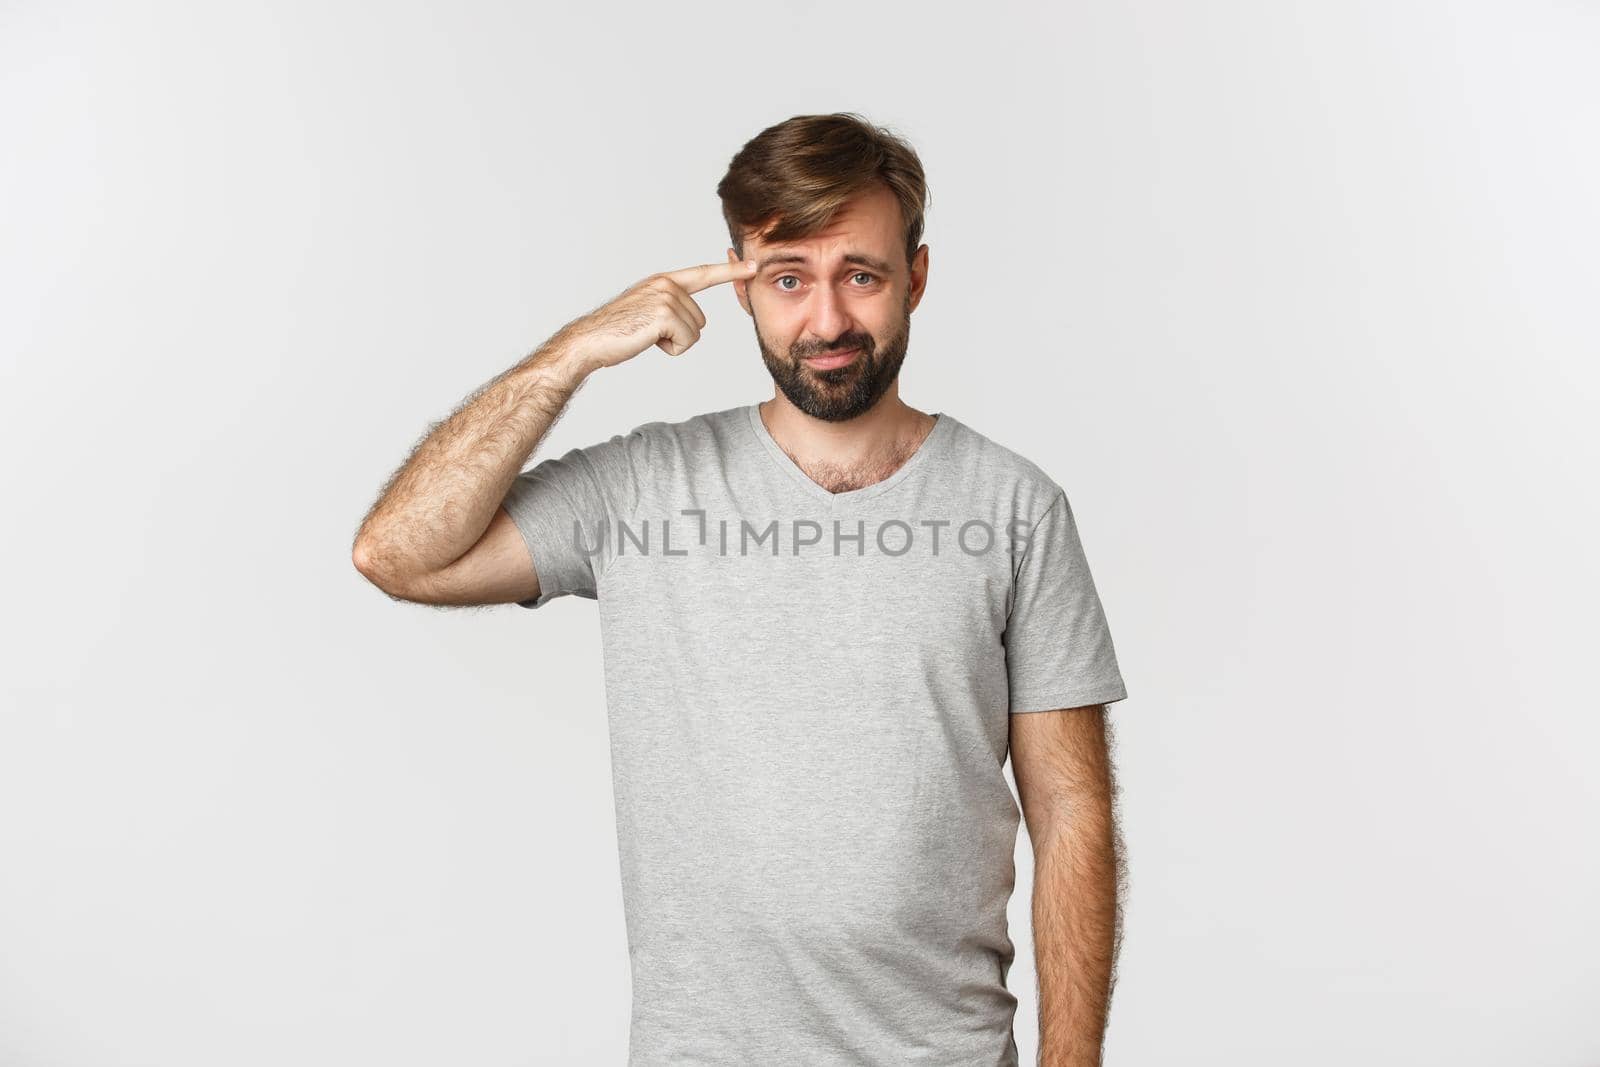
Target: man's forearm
(438, 504)
(1076, 930)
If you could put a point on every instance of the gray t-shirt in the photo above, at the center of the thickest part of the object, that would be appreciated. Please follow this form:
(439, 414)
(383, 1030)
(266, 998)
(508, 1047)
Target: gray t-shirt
(808, 696)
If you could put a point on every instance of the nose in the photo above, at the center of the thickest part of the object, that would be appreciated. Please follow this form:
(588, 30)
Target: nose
(829, 318)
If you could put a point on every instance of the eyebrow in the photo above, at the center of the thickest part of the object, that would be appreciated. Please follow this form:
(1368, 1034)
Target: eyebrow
(850, 257)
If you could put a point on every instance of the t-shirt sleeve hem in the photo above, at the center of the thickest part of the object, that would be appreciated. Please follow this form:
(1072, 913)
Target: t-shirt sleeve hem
(539, 535)
(1108, 693)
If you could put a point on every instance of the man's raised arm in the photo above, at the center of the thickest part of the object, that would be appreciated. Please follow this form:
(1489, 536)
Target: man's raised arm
(436, 508)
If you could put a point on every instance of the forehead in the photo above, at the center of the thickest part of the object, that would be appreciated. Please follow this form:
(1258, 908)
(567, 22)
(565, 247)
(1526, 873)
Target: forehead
(867, 227)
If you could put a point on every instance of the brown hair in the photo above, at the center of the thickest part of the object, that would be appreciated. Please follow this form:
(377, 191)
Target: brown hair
(797, 174)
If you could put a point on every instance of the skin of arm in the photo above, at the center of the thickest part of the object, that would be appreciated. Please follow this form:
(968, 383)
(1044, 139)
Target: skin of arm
(437, 506)
(1062, 764)
(416, 540)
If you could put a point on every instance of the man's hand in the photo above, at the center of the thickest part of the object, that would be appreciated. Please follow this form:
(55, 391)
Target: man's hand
(657, 310)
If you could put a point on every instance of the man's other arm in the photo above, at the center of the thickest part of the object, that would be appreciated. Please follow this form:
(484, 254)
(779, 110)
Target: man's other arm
(1062, 764)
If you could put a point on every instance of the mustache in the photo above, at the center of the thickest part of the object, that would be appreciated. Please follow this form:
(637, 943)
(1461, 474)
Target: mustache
(846, 346)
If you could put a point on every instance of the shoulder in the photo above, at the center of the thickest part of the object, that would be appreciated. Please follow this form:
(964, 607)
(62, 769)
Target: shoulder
(978, 460)
(658, 456)
(696, 435)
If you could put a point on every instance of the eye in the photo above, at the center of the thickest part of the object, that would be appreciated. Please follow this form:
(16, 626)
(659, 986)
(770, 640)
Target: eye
(778, 281)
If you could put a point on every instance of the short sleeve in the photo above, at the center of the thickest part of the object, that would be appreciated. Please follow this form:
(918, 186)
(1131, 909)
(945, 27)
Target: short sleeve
(567, 509)
(1058, 647)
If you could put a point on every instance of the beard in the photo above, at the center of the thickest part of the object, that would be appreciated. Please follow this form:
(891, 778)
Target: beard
(843, 392)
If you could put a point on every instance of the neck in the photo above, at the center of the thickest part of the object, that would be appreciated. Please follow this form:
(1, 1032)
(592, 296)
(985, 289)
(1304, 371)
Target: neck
(853, 453)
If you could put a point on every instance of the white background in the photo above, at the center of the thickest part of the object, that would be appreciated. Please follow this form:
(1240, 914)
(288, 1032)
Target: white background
(1296, 300)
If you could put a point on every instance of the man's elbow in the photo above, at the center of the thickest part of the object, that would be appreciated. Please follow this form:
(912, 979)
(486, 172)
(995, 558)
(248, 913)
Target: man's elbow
(367, 562)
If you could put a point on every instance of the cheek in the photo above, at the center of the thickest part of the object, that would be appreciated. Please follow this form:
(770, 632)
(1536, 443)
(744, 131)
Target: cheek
(777, 333)
(879, 325)
(777, 319)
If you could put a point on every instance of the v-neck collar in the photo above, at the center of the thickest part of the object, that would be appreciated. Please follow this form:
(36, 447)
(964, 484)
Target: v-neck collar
(781, 458)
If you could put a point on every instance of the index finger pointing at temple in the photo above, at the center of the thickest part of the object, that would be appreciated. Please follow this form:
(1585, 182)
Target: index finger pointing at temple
(694, 279)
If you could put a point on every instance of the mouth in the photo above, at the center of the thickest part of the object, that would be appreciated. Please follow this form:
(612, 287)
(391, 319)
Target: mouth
(830, 360)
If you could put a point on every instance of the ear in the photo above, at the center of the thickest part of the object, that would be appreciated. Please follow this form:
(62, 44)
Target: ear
(739, 285)
(919, 276)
